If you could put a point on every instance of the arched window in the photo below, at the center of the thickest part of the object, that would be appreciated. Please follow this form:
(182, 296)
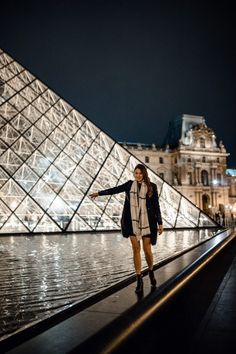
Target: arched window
(147, 159)
(204, 178)
(161, 160)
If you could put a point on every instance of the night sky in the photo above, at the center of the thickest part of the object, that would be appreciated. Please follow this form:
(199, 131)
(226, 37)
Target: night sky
(132, 66)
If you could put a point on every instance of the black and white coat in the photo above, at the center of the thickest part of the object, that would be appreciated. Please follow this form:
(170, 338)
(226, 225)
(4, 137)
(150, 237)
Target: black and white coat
(153, 210)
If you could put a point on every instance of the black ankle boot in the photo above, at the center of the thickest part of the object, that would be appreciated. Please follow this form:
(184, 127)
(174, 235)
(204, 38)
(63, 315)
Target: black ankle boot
(152, 278)
(139, 287)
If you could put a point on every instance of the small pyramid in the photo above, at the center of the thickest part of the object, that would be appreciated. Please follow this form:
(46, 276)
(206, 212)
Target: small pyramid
(52, 157)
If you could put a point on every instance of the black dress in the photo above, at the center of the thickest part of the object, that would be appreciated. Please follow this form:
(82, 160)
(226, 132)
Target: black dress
(153, 210)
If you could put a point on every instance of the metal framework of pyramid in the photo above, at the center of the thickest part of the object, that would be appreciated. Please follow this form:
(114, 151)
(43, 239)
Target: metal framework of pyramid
(52, 157)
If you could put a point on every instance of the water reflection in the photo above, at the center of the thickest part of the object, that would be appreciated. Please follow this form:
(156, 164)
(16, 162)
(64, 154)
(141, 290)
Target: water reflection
(41, 275)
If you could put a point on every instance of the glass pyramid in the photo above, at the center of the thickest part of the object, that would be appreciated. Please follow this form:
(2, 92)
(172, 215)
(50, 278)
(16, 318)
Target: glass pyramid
(52, 157)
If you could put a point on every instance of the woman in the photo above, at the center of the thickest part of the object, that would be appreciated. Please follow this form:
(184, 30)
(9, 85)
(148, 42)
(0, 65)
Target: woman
(140, 217)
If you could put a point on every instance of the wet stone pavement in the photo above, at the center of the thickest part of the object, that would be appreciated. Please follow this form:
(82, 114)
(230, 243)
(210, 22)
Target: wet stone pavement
(41, 275)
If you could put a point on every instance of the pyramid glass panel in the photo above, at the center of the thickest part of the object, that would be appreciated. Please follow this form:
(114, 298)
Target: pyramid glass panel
(2, 122)
(52, 157)
(25, 177)
(54, 178)
(78, 224)
(20, 123)
(23, 148)
(71, 195)
(3, 177)
(4, 213)
(45, 125)
(42, 194)
(188, 212)
(49, 150)
(3, 148)
(12, 194)
(12, 225)
(10, 161)
(28, 212)
(8, 134)
(46, 224)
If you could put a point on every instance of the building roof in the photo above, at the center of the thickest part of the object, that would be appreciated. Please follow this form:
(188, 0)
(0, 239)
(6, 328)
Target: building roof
(231, 172)
(178, 127)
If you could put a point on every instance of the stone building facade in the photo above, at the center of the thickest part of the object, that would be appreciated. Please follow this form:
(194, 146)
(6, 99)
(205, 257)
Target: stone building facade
(193, 162)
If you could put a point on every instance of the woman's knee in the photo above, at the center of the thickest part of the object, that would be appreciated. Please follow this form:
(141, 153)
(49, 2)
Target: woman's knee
(135, 245)
(136, 248)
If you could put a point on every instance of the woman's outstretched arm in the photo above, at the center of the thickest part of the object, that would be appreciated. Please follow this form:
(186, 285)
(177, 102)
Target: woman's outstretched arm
(110, 191)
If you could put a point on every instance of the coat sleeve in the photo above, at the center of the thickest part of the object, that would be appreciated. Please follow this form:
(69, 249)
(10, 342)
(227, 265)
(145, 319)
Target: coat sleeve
(115, 190)
(157, 205)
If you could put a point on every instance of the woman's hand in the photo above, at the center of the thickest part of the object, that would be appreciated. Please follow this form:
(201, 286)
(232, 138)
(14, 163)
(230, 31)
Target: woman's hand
(160, 229)
(93, 195)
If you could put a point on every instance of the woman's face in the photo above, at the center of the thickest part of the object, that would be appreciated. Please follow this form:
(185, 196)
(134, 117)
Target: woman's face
(138, 175)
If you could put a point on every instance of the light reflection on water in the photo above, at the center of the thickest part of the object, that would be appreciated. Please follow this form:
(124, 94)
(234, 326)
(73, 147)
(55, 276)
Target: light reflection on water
(40, 275)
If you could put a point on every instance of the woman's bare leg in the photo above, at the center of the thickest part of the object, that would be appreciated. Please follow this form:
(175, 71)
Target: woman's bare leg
(147, 248)
(136, 254)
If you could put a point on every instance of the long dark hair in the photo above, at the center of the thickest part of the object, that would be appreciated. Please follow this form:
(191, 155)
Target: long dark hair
(146, 179)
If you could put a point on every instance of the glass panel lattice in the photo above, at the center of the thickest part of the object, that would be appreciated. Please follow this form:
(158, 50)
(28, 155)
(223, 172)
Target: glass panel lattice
(49, 150)
(106, 223)
(10, 161)
(120, 154)
(71, 195)
(38, 163)
(12, 225)
(26, 177)
(8, 134)
(23, 148)
(169, 194)
(46, 224)
(4, 213)
(42, 194)
(3, 177)
(60, 212)
(78, 224)
(188, 211)
(20, 123)
(11, 194)
(54, 178)
(90, 212)
(169, 213)
(29, 213)
(204, 220)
